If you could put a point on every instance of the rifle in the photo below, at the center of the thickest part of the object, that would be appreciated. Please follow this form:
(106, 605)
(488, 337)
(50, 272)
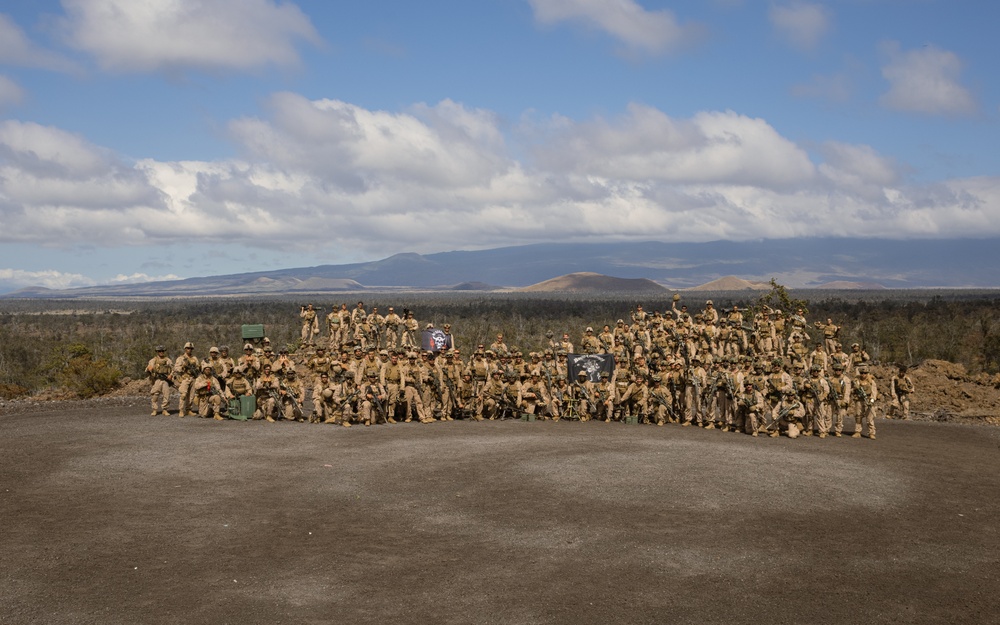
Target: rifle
(783, 414)
(862, 395)
(379, 408)
(665, 404)
(591, 407)
(290, 395)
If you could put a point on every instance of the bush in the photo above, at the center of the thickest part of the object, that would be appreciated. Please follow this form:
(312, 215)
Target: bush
(87, 377)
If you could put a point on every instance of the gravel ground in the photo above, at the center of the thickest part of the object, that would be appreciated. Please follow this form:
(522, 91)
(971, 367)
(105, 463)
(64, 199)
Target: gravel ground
(110, 516)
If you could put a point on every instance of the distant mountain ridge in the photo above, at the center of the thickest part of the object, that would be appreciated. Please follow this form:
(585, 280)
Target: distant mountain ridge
(797, 263)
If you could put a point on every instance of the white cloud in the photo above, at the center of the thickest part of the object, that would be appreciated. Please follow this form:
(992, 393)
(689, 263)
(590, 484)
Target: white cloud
(17, 49)
(925, 80)
(647, 145)
(10, 92)
(327, 174)
(803, 24)
(139, 278)
(650, 32)
(129, 36)
(50, 279)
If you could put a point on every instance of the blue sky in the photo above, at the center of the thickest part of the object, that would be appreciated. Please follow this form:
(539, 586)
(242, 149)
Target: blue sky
(143, 140)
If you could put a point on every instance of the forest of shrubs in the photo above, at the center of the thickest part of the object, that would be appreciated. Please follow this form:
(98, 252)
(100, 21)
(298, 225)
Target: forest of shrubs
(88, 347)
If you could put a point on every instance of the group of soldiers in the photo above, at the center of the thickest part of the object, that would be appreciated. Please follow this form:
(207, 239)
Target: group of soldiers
(745, 370)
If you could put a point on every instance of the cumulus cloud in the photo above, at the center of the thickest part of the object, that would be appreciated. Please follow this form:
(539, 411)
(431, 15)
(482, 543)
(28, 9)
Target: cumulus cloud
(171, 35)
(139, 278)
(50, 279)
(802, 24)
(17, 49)
(10, 92)
(925, 80)
(327, 174)
(641, 30)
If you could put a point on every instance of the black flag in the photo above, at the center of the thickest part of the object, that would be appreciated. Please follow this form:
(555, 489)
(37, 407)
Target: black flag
(435, 340)
(591, 364)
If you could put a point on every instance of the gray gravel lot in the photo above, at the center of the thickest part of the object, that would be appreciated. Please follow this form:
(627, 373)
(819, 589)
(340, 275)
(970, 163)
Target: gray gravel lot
(109, 515)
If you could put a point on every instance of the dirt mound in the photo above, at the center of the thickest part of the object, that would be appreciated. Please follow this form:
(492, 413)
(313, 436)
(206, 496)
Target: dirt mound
(944, 391)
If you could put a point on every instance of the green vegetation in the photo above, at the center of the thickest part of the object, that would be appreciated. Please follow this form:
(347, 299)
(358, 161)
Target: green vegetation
(87, 346)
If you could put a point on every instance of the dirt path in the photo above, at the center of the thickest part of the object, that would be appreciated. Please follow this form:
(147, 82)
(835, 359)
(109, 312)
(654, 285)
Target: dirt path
(111, 516)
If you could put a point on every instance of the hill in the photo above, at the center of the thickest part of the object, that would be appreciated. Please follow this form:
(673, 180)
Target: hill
(585, 282)
(731, 283)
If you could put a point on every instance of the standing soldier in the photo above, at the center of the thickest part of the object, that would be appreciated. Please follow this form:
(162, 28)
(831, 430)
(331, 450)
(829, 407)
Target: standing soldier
(815, 392)
(900, 388)
(467, 399)
(858, 357)
(333, 327)
(160, 370)
(660, 401)
(310, 323)
(411, 328)
(696, 380)
(209, 393)
(866, 394)
(392, 326)
(839, 398)
(589, 344)
(186, 369)
(227, 362)
(830, 334)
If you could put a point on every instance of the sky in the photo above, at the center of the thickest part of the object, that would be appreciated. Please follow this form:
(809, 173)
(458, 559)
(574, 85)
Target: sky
(176, 138)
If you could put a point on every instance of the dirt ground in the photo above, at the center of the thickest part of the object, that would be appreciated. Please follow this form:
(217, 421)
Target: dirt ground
(111, 516)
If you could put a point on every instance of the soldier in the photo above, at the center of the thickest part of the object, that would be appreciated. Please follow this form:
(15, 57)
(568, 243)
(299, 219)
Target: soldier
(376, 327)
(413, 390)
(345, 402)
(660, 401)
(582, 392)
(209, 393)
(466, 398)
(293, 395)
(866, 394)
(607, 339)
(310, 323)
(186, 369)
(227, 362)
(839, 397)
(239, 385)
(559, 398)
(249, 362)
(498, 346)
(333, 326)
(589, 344)
(830, 334)
(491, 396)
(900, 388)
(814, 392)
(534, 397)
(324, 408)
(373, 397)
(858, 357)
(266, 388)
(710, 315)
(838, 356)
(604, 395)
(753, 408)
(283, 364)
(160, 371)
(787, 413)
(696, 380)
(393, 323)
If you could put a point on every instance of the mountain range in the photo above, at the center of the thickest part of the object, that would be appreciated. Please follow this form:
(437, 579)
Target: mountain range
(799, 263)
